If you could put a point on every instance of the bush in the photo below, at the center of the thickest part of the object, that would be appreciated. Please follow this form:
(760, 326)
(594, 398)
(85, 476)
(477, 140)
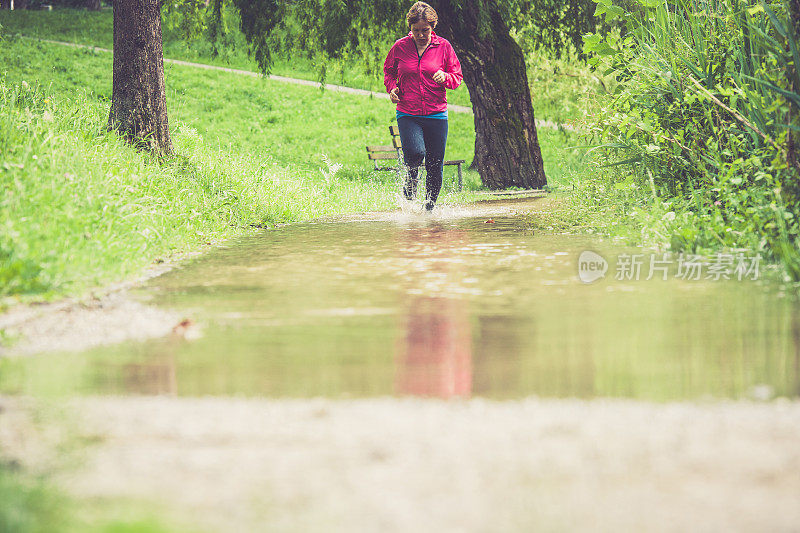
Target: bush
(699, 118)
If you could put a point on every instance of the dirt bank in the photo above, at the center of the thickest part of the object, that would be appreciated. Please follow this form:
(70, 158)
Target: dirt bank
(104, 316)
(420, 465)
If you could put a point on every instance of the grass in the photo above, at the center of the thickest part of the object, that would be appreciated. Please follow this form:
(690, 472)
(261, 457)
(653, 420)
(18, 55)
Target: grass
(96, 29)
(111, 210)
(562, 90)
(28, 505)
(685, 153)
(31, 502)
(79, 208)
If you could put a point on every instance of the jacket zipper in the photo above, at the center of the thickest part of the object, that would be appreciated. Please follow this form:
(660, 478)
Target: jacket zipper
(419, 73)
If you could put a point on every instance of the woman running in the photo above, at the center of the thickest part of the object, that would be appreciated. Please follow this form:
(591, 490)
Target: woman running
(416, 72)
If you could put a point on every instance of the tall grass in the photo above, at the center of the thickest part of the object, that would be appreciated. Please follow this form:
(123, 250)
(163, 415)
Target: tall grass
(696, 133)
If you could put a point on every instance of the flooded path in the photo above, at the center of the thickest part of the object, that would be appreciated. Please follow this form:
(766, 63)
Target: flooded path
(312, 398)
(469, 302)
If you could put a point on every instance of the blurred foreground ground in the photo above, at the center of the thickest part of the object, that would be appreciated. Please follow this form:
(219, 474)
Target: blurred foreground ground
(430, 465)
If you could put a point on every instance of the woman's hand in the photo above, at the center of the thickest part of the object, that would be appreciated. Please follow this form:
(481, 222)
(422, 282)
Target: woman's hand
(394, 95)
(439, 77)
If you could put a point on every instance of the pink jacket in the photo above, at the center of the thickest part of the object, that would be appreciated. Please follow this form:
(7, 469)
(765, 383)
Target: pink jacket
(419, 94)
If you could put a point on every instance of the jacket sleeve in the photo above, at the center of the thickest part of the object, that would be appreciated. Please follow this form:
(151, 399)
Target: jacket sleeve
(452, 69)
(390, 69)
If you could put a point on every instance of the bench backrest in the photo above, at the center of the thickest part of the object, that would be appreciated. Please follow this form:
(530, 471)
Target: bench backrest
(395, 151)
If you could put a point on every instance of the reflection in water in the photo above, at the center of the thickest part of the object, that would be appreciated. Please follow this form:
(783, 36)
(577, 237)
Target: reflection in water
(434, 355)
(154, 378)
(442, 308)
(434, 358)
(154, 374)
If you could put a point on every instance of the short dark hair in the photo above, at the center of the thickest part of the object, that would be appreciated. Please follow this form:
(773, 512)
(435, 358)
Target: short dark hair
(422, 11)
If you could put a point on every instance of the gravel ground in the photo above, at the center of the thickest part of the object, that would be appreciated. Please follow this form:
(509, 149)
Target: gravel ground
(439, 466)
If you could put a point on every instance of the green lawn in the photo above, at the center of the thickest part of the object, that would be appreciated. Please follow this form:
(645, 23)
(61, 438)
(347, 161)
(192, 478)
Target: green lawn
(562, 90)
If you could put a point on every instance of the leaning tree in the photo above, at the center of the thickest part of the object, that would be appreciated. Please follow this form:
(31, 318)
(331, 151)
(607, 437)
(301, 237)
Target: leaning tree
(138, 101)
(507, 149)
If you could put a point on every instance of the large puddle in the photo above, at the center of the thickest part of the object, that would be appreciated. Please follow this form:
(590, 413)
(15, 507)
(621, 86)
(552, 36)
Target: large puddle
(449, 306)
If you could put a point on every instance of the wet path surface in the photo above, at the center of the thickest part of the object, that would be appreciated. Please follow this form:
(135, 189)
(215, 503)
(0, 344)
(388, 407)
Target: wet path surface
(444, 306)
(310, 400)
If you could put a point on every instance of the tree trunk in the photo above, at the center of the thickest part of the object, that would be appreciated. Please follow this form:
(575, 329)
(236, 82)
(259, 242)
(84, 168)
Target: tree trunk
(93, 5)
(507, 149)
(138, 101)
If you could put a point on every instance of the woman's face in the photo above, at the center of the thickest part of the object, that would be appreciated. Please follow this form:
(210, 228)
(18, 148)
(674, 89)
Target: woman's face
(421, 30)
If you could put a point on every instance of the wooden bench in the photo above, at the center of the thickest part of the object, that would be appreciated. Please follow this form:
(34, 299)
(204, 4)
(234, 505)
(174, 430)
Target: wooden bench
(395, 152)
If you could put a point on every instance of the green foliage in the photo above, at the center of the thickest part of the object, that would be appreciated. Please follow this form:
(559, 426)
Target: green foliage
(187, 17)
(32, 504)
(323, 31)
(257, 19)
(698, 121)
(562, 89)
(18, 273)
(552, 26)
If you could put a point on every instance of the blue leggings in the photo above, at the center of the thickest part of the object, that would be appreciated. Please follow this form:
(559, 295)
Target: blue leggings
(423, 138)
